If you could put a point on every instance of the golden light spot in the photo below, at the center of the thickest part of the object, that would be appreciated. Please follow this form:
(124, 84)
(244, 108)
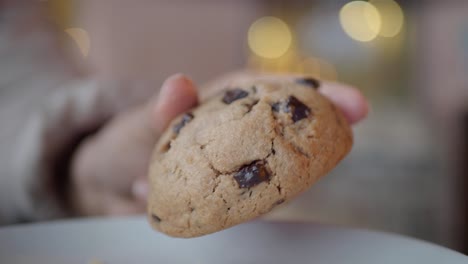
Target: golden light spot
(360, 20)
(81, 37)
(61, 12)
(391, 15)
(269, 37)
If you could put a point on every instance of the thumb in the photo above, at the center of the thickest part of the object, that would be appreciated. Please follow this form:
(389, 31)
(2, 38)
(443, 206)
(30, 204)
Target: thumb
(178, 94)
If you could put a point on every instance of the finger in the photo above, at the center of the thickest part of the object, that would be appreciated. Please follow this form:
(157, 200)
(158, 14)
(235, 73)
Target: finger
(178, 94)
(121, 207)
(350, 100)
(140, 189)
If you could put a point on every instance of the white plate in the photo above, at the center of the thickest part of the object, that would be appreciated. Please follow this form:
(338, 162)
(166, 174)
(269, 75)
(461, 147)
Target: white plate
(131, 240)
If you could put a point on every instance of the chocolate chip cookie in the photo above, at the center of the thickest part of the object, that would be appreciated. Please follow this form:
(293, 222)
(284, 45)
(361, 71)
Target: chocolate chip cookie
(257, 144)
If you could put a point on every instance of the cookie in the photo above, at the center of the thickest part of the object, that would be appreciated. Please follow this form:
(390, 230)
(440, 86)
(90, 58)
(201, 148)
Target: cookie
(257, 144)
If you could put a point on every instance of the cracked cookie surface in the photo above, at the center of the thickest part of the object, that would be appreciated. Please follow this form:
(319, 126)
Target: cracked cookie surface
(255, 145)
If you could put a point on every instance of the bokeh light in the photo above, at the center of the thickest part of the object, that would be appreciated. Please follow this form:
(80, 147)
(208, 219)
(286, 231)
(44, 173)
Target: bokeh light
(61, 12)
(360, 20)
(391, 15)
(81, 37)
(269, 37)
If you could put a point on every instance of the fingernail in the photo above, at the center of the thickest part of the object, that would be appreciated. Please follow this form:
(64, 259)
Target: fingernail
(161, 99)
(178, 94)
(164, 97)
(179, 77)
(140, 189)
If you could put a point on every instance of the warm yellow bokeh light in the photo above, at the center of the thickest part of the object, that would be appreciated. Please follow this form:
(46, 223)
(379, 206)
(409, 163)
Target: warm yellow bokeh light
(269, 37)
(61, 12)
(81, 37)
(360, 20)
(391, 15)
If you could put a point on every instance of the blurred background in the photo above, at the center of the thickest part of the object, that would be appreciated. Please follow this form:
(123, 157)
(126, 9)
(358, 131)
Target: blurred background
(407, 171)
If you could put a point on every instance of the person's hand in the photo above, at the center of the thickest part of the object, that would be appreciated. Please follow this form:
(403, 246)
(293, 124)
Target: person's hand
(109, 171)
(108, 174)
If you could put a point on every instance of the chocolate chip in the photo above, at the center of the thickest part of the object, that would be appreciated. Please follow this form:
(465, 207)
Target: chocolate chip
(276, 106)
(297, 108)
(252, 174)
(156, 218)
(311, 82)
(233, 95)
(292, 105)
(187, 117)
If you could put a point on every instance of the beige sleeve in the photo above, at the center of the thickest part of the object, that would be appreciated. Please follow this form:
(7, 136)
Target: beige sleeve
(34, 164)
(39, 134)
(46, 108)
(45, 144)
